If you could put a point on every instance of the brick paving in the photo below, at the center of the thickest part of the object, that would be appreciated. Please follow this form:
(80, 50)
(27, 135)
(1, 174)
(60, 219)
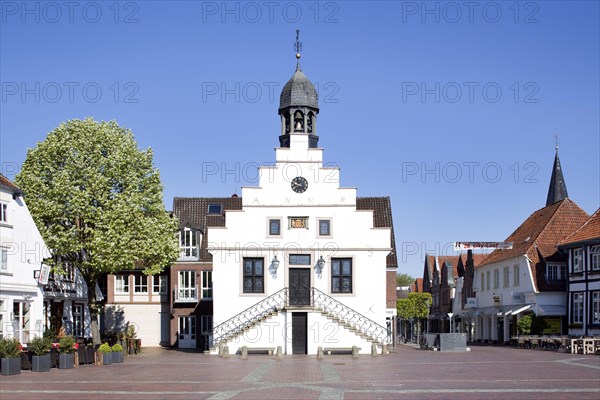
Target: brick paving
(484, 372)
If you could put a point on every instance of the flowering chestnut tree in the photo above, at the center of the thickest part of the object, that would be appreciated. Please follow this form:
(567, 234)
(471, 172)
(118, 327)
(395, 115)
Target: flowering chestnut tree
(97, 200)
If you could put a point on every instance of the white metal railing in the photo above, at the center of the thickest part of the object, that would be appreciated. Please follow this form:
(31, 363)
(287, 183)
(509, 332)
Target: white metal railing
(186, 294)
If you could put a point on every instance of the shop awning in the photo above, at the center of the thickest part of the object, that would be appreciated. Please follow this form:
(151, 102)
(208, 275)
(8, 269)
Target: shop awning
(506, 310)
(521, 309)
(551, 310)
(486, 311)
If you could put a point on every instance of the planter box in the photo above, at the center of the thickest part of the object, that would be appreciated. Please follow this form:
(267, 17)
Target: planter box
(66, 361)
(117, 357)
(11, 366)
(106, 358)
(40, 363)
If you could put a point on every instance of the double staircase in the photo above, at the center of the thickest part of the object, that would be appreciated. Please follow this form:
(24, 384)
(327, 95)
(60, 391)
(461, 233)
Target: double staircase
(319, 301)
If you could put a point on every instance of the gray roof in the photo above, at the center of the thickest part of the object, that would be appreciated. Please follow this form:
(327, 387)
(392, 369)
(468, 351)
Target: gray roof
(299, 91)
(557, 190)
(193, 211)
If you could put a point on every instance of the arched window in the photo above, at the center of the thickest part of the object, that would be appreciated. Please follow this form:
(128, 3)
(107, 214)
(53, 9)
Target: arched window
(298, 121)
(309, 122)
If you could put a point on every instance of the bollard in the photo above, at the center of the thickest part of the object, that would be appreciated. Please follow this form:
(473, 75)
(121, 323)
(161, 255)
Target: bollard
(354, 352)
(225, 351)
(319, 353)
(244, 352)
(385, 350)
(374, 350)
(278, 353)
(220, 352)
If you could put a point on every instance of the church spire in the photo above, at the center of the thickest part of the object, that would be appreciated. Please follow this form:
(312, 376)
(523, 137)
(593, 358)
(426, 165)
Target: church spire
(558, 189)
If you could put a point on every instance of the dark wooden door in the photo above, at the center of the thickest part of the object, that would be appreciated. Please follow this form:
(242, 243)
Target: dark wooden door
(299, 336)
(299, 286)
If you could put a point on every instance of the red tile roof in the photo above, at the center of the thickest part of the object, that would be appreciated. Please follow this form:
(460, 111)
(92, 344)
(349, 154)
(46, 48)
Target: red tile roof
(419, 285)
(589, 231)
(538, 236)
(7, 182)
(478, 259)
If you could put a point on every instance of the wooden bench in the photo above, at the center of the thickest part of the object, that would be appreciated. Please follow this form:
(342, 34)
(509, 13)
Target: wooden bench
(260, 350)
(338, 350)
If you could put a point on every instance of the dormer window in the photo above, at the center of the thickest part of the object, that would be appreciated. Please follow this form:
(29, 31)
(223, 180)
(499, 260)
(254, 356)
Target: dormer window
(215, 209)
(188, 244)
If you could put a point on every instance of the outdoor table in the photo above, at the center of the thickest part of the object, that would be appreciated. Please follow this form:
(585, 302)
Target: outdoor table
(588, 346)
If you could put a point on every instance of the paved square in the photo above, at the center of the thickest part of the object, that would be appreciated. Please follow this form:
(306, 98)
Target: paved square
(484, 372)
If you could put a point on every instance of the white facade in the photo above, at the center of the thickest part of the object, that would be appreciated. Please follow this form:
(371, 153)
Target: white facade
(505, 289)
(22, 250)
(351, 237)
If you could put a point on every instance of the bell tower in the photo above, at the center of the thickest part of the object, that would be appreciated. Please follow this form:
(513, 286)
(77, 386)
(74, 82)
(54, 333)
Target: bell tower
(298, 105)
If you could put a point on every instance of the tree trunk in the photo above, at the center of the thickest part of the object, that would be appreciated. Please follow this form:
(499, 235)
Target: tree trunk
(94, 307)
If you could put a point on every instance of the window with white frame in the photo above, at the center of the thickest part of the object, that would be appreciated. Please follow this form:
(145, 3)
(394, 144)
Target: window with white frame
(516, 273)
(505, 273)
(595, 257)
(140, 284)
(207, 285)
(482, 287)
(595, 307)
(487, 280)
(577, 260)
(496, 278)
(188, 244)
(4, 256)
(3, 212)
(577, 308)
(555, 272)
(122, 284)
(159, 284)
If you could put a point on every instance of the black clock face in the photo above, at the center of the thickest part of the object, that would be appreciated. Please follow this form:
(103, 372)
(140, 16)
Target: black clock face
(299, 184)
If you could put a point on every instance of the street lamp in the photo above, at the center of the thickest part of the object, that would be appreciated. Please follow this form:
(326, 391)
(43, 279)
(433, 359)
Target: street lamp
(450, 315)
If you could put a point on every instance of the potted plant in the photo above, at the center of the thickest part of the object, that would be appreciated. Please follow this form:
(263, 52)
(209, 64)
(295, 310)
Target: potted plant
(117, 353)
(40, 347)
(10, 355)
(66, 352)
(106, 351)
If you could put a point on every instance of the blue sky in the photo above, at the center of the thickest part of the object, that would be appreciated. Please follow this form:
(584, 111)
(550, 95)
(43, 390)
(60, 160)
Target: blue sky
(450, 109)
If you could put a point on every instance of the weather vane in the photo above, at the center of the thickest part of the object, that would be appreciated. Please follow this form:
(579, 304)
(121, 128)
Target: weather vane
(556, 142)
(298, 44)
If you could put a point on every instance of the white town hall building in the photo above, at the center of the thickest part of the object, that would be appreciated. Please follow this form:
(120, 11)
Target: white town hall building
(304, 263)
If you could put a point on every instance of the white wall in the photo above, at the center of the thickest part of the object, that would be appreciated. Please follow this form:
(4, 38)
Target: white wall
(26, 250)
(352, 235)
(146, 318)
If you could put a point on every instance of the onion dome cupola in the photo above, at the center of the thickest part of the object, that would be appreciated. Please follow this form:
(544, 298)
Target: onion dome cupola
(298, 105)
